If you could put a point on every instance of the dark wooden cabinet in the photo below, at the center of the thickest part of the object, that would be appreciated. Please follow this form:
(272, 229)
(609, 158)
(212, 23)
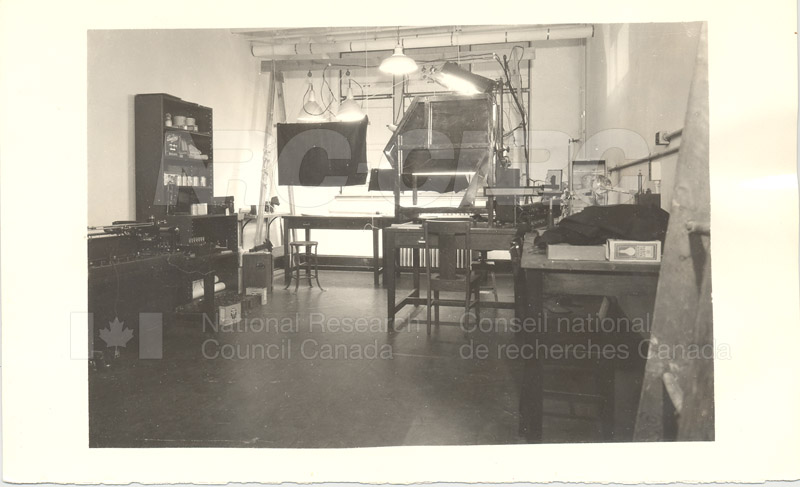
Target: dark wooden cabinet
(175, 159)
(174, 170)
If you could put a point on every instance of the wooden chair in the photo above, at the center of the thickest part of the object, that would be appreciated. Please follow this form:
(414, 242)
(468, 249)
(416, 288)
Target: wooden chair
(447, 236)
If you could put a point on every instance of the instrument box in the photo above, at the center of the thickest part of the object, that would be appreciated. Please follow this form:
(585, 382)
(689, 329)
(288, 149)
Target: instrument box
(230, 314)
(258, 292)
(576, 252)
(257, 270)
(634, 250)
(229, 309)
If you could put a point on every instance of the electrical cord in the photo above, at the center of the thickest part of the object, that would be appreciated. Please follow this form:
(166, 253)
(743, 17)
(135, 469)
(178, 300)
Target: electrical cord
(524, 119)
(310, 87)
(330, 90)
(361, 88)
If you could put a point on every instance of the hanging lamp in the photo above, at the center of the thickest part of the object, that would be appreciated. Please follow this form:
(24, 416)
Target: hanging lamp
(398, 63)
(349, 110)
(311, 111)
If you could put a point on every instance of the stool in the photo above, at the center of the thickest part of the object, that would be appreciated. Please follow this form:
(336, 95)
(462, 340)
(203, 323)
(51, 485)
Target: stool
(303, 260)
(485, 268)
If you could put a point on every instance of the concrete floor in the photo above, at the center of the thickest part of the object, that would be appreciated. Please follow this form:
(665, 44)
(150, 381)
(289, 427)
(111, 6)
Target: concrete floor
(302, 376)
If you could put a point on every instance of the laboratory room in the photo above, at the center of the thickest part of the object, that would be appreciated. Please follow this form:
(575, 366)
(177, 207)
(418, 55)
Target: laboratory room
(341, 237)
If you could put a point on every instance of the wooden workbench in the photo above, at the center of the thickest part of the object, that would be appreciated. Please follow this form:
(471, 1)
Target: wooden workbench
(335, 222)
(559, 277)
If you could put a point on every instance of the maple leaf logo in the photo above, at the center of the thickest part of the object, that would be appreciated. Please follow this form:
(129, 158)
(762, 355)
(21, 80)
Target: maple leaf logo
(116, 335)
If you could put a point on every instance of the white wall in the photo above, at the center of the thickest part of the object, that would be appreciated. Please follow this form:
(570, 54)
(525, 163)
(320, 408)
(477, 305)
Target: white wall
(638, 78)
(634, 79)
(208, 67)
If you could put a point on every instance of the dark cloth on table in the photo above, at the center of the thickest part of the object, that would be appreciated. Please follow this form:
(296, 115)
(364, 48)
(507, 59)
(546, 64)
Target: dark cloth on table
(595, 224)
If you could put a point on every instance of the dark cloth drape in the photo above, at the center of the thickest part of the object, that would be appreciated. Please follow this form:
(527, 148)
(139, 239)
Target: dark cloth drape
(595, 224)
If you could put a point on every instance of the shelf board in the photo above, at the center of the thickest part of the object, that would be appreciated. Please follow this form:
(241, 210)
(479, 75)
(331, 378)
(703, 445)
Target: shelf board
(184, 160)
(206, 187)
(210, 215)
(190, 132)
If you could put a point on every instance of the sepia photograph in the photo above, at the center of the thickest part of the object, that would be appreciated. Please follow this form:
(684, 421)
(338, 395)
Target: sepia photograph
(397, 245)
(347, 237)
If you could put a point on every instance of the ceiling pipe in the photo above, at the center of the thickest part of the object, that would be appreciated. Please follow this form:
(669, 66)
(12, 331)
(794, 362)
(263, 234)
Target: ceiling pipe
(437, 40)
(371, 34)
(303, 32)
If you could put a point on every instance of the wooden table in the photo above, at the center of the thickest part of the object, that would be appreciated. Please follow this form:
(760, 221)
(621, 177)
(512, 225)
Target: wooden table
(560, 277)
(245, 218)
(408, 235)
(349, 222)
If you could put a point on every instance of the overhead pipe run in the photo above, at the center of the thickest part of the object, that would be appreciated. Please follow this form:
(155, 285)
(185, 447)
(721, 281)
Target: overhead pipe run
(372, 34)
(651, 157)
(452, 39)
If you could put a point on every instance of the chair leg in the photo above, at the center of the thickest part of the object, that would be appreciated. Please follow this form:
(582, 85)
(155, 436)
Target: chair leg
(316, 270)
(436, 298)
(291, 269)
(466, 308)
(494, 286)
(297, 270)
(478, 302)
(428, 308)
(308, 266)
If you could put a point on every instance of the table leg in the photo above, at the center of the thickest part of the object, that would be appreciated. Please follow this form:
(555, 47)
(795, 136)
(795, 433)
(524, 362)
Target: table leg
(208, 307)
(308, 256)
(387, 256)
(532, 393)
(287, 270)
(375, 257)
(607, 390)
(415, 264)
(389, 277)
(384, 258)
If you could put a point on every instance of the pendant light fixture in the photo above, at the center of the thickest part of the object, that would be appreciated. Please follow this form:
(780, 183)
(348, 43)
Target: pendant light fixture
(349, 110)
(462, 81)
(311, 111)
(398, 63)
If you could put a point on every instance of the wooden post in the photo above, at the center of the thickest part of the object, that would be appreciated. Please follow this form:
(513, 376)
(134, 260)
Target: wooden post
(682, 318)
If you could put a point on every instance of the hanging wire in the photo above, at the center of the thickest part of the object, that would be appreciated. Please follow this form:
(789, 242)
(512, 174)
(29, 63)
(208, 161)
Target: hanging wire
(310, 87)
(325, 83)
(524, 119)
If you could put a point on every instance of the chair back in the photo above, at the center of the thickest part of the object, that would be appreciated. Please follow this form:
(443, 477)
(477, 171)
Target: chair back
(447, 236)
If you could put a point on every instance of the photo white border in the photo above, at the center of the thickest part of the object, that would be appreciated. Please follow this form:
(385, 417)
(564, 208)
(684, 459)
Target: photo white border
(753, 101)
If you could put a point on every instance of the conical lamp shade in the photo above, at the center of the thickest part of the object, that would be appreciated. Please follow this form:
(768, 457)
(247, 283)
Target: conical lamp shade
(398, 63)
(349, 111)
(312, 111)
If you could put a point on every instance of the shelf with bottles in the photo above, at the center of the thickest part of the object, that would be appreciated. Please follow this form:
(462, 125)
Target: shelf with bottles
(182, 178)
(183, 146)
